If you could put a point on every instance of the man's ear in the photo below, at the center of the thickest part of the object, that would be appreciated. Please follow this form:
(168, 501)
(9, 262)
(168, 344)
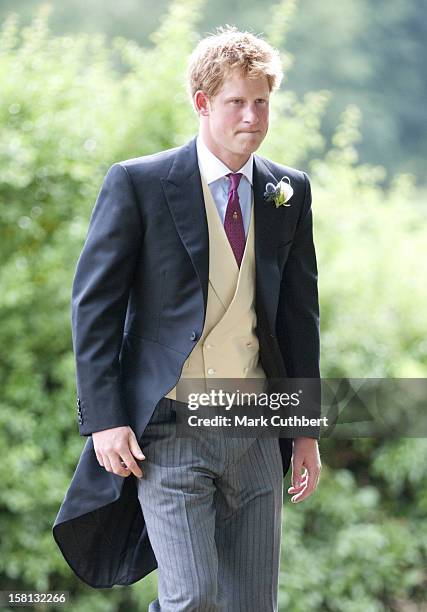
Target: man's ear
(201, 103)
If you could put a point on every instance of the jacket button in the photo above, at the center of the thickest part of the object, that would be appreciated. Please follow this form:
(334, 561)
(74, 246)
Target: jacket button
(193, 335)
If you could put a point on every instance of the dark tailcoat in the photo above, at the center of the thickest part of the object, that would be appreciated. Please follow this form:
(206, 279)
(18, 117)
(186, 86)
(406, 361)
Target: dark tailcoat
(138, 308)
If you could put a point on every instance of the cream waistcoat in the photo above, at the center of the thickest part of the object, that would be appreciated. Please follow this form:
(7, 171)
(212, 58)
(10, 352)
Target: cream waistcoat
(228, 346)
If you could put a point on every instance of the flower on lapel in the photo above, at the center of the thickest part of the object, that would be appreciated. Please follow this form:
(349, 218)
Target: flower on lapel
(279, 194)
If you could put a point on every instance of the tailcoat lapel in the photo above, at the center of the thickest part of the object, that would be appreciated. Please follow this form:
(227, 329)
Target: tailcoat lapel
(184, 195)
(268, 228)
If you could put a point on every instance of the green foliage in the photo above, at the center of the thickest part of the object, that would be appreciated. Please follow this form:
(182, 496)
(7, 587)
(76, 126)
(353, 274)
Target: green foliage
(357, 545)
(70, 107)
(371, 54)
(374, 324)
(368, 53)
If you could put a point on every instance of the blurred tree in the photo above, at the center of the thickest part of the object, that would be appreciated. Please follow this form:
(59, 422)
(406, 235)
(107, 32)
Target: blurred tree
(366, 53)
(370, 54)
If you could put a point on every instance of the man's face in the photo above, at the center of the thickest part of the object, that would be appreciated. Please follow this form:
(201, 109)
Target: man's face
(235, 121)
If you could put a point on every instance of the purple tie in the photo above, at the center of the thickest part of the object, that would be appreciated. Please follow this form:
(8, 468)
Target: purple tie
(233, 222)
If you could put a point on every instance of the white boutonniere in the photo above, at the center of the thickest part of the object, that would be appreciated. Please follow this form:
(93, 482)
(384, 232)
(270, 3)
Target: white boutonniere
(279, 194)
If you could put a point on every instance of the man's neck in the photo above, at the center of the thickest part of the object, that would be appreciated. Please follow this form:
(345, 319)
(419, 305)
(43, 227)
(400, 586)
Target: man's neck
(233, 162)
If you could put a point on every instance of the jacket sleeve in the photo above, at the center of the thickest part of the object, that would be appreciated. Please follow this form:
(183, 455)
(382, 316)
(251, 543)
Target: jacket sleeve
(298, 313)
(100, 295)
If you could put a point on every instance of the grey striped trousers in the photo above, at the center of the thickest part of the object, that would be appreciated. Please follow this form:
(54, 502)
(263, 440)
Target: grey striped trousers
(212, 506)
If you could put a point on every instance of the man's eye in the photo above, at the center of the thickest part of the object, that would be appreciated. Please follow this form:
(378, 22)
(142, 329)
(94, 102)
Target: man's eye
(237, 101)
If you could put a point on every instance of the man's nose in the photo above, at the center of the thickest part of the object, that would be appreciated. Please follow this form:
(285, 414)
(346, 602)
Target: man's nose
(251, 114)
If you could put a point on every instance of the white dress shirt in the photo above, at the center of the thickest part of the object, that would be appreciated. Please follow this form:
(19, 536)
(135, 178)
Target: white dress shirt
(214, 171)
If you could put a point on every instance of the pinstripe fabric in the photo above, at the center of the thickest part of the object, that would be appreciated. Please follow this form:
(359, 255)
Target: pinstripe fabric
(212, 506)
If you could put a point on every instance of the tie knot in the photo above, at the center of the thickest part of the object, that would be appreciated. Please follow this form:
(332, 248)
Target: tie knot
(234, 179)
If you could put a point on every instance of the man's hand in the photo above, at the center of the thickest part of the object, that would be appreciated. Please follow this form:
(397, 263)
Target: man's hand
(116, 450)
(305, 454)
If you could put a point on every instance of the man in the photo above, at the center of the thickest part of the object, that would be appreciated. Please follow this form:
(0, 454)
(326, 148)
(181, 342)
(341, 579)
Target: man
(188, 273)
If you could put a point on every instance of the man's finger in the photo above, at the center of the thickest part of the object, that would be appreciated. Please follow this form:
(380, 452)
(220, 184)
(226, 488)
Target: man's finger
(117, 466)
(296, 474)
(107, 464)
(310, 486)
(301, 496)
(99, 457)
(135, 449)
(308, 490)
(131, 464)
(300, 486)
(303, 480)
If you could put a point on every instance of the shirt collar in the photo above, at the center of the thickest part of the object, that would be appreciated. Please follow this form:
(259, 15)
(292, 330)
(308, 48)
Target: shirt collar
(212, 168)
